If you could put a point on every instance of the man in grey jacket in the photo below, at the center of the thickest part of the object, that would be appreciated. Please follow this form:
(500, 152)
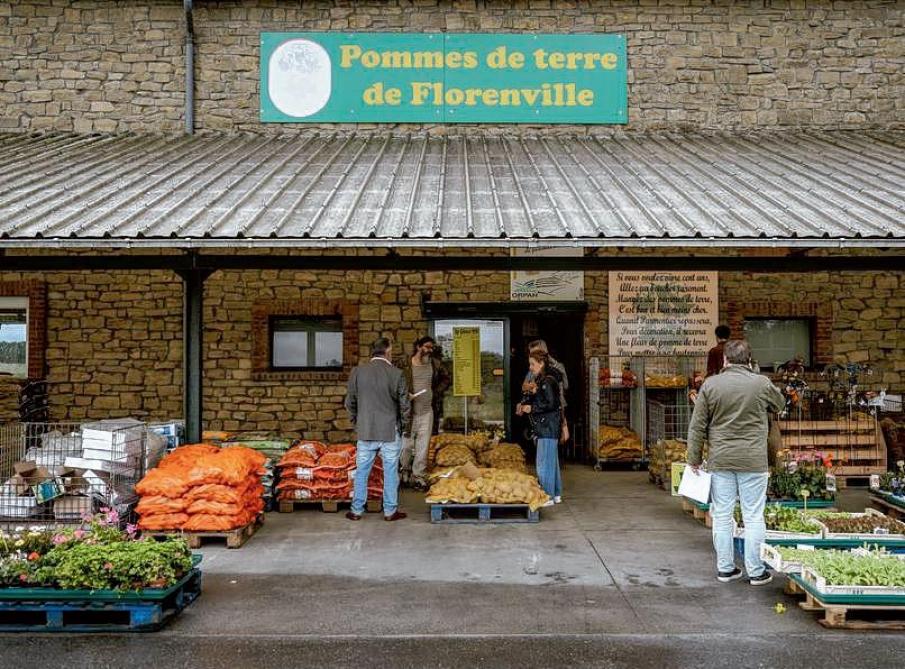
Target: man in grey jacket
(378, 402)
(731, 412)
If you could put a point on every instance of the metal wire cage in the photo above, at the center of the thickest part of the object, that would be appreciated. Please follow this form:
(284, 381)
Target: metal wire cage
(667, 421)
(56, 473)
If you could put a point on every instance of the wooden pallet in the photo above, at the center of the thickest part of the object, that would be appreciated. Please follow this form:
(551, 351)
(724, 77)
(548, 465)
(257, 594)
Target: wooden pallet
(451, 514)
(99, 611)
(890, 509)
(234, 538)
(326, 505)
(869, 617)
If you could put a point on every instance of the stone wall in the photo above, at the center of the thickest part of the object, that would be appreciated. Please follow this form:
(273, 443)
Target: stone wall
(114, 338)
(114, 343)
(118, 66)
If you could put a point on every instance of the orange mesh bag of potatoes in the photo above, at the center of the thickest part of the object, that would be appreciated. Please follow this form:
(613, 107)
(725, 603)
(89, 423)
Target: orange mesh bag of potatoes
(207, 522)
(162, 521)
(185, 456)
(163, 482)
(156, 504)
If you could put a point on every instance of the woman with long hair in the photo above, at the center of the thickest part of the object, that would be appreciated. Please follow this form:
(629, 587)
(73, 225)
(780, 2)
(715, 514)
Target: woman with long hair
(543, 406)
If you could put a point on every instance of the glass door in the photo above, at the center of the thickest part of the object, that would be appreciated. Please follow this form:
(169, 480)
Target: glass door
(490, 409)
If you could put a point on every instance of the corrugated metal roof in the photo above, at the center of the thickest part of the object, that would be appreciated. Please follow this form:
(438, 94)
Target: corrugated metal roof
(382, 189)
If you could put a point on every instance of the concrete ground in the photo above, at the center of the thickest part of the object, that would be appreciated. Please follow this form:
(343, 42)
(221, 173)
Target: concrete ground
(616, 576)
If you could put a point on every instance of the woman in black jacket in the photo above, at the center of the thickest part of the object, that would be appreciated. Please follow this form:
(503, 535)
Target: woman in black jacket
(544, 408)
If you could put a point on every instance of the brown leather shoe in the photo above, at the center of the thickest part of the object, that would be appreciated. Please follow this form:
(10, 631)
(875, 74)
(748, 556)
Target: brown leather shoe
(398, 515)
(352, 516)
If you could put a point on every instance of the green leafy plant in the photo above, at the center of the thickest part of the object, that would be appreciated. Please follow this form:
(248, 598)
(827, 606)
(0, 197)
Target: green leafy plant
(858, 524)
(121, 565)
(787, 482)
(96, 555)
(850, 569)
(783, 519)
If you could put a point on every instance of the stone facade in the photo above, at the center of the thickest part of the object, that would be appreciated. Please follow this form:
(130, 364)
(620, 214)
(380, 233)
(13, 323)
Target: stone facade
(114, 343)
(114, 338)
(118, 66)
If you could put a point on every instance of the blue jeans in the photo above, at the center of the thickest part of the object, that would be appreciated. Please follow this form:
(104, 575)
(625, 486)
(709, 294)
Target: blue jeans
(364, 460)
(750, 489)
(548, 467)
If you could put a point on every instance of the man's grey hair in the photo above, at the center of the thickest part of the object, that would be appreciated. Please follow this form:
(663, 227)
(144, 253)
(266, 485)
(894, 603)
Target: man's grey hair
(538, 345)
(737, 352)
(380, 347)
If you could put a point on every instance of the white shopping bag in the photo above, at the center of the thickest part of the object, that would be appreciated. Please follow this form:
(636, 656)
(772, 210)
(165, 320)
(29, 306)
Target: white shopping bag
(695, 486)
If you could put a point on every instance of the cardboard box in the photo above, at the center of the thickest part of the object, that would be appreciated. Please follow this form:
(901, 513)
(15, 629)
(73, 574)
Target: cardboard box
(125, 435)
(74, 507)
(86, 481)
(25, 467)
(15, 486)
(85, 463)
(17, 507)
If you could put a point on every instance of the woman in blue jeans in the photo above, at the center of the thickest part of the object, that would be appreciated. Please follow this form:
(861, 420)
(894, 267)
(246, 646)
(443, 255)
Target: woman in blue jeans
(544, 408)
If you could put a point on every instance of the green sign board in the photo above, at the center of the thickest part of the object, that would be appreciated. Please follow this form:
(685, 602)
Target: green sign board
(442, 78)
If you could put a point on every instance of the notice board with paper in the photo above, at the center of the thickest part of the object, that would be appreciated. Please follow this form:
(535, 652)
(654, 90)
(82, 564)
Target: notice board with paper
(466, 361)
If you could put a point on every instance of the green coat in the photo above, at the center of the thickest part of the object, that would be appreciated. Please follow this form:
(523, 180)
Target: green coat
(731, 413)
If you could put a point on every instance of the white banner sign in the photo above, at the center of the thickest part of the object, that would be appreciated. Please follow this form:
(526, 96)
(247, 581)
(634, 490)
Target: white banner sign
(527, 286)
(663, 313)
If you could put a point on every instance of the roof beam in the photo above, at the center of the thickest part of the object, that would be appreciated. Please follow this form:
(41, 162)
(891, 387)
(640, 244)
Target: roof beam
(498, 263)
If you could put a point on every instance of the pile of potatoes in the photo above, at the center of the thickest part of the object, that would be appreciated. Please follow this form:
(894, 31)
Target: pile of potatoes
(652, 380)
(476, 441)
(663, 454)
(453, 455)
(618, 443)
(493, 486)
(504, 456)
(453, 489)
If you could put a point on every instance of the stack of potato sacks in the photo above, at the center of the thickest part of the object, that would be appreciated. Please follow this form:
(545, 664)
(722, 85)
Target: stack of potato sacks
(201, 487)
(502, 479)
(490, 486)
(314, 471)
(619, 443)
(664, 453)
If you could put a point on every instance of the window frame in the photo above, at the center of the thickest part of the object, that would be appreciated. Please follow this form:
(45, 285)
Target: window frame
(261, 311)
(809, 364)
(12, 303)
(311, 351)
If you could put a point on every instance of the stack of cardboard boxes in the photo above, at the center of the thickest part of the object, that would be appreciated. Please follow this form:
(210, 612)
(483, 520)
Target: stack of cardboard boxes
(65, 477)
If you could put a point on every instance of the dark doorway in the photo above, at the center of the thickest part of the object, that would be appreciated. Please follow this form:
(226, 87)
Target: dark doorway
(561, 325)
(564, 334)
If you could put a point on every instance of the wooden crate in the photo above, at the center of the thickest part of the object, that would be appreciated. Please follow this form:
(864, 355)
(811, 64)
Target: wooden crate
(857, 447)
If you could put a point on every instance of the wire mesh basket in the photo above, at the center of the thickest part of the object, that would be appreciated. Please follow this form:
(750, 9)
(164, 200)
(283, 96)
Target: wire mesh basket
(56, 473)
(667, 421)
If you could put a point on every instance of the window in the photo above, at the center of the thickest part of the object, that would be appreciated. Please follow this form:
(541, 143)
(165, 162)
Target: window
(14, 336)
(306, 343)
(777, 340)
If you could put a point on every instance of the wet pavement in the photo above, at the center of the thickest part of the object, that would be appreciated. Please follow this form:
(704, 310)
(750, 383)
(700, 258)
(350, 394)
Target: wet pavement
(616, 576)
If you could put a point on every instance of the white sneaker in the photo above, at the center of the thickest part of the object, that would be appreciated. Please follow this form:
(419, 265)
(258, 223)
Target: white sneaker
(557, 500)
(549, 502)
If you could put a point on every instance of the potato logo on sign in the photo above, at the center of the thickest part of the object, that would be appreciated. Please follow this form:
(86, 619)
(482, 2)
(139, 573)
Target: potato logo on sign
(300, 78)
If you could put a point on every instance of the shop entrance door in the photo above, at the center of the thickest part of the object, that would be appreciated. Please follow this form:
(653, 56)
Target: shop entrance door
(563, 332)
(489, 410)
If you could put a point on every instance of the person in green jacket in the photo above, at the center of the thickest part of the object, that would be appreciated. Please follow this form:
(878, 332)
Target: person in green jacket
(731, 413)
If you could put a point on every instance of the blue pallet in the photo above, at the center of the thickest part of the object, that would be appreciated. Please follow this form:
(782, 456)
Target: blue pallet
(99, 615)
(452, 514)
